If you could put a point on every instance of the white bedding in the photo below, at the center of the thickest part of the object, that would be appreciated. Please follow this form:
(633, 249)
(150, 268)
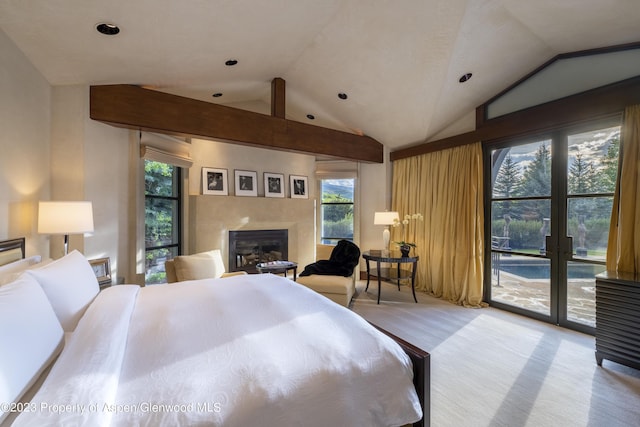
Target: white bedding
(240, 351)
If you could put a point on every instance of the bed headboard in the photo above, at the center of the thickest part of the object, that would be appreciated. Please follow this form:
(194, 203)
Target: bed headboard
(11, 250)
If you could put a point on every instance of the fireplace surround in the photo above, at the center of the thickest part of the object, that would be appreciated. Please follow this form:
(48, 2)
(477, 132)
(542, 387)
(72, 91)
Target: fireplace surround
(211, 218)
(250, 247)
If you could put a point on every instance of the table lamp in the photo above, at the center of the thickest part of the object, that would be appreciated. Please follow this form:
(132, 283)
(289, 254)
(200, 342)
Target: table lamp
(65, 218)
(387, 219)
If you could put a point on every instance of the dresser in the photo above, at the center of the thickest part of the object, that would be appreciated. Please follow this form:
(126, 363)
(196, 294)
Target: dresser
(618, 318)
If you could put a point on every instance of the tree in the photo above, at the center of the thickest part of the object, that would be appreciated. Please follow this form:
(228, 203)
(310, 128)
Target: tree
(158, 178)
(158, 212)
(334, 210)
(581, 179)
(537, 174)
(507, 184)
(536, 181)
(609, 172)
(508, 180)
(582, 176)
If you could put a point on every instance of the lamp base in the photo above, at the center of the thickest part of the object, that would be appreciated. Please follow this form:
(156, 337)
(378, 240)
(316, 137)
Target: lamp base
(385, 238)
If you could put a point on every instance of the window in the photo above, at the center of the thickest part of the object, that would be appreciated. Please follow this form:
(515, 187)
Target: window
(162, 218)
(337, 196)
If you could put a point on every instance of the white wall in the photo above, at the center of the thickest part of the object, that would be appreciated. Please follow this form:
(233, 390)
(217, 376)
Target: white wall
(89, 161)
(25, 122)
(375, 197)
(214, 154)
(107, 184)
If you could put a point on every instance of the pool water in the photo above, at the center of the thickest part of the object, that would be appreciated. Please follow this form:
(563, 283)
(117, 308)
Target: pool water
(536, 270)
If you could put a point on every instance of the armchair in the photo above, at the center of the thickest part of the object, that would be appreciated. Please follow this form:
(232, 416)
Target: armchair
(333, 275)
(203, 265)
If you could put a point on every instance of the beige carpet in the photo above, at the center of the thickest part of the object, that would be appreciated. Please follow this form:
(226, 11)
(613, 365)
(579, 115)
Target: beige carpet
(493, 368)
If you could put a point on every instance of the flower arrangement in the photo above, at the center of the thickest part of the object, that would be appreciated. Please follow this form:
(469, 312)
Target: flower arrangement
(406, 227)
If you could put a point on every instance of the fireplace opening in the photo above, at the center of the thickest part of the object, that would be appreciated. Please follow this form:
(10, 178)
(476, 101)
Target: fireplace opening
(250, 247)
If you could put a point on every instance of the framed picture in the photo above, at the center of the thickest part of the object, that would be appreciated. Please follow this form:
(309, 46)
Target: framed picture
(214, 181)
(102, 269)
(299, 187)
(273, 184)
(246, 183)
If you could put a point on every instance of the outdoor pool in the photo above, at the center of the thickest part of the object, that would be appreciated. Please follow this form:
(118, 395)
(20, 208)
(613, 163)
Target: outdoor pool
(539, 269)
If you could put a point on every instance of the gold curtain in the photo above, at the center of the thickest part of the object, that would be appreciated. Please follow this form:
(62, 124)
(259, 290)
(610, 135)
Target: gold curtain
(623, 251)
(446, 188)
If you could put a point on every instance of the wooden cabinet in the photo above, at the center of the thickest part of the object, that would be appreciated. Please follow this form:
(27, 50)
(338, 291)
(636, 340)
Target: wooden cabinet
(618, 318)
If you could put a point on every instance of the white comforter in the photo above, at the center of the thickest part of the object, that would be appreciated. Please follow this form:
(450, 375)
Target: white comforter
(240, 351)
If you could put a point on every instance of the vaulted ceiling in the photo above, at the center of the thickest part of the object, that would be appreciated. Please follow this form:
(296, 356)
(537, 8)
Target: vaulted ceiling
(399, 62)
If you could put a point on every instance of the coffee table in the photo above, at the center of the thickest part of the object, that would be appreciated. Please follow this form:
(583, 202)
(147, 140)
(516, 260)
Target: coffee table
(278, 267)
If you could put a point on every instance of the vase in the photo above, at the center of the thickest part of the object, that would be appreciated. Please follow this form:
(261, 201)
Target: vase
(404, 250)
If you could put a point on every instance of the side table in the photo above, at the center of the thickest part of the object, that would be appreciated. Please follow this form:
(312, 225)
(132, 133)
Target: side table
(278, 267)
(397, 274)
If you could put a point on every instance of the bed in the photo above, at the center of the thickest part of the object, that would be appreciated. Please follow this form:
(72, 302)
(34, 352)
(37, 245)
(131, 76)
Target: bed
(246, 350)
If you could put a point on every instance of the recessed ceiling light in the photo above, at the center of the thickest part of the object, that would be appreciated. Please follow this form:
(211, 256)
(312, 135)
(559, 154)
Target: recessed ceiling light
(231, 62)
(217, 95)
(107, 29)
(465, 77)
(342, 95)
(311, 117)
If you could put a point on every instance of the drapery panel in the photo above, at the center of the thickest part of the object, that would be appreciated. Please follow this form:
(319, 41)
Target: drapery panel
(623, 251)
(446, 188)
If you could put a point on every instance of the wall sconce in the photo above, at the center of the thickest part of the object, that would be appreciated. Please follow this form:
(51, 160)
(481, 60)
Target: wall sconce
(387, 219)
(65, 218)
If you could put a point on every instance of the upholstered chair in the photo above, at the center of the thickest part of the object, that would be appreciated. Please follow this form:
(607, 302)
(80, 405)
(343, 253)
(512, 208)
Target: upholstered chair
(336, 282)
(203, 265)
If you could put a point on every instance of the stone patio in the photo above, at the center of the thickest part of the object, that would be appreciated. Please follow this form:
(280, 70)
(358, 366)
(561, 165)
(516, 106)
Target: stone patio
(533, 294)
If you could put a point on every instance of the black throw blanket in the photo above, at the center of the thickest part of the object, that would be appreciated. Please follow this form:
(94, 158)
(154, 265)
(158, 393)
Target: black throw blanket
(344, 258)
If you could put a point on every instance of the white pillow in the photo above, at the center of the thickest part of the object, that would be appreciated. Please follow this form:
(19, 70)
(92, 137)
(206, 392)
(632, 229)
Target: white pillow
(30, 334)
(70, 285)
(10, 272)
(204, 265)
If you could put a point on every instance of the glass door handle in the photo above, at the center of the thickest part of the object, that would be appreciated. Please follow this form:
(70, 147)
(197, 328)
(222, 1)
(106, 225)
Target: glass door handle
(567, 247)
(548, 246)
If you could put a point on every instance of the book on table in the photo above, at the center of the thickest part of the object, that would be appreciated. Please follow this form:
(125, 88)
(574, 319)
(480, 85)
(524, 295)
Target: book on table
(278, 263)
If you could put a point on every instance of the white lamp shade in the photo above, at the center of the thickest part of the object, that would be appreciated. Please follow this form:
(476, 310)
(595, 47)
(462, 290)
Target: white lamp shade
(65, 217)
(385, 218)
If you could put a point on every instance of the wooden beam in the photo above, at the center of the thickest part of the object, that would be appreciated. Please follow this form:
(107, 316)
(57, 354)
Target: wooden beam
(278, 97)
(133, 107)
(430, 147)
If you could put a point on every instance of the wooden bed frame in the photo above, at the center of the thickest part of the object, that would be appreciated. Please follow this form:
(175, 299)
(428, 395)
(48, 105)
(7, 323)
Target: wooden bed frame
(421, 375)
(13, 244)
(421, 359)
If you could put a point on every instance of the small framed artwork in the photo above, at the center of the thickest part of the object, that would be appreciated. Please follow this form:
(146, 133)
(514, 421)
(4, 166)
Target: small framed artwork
(299, 187)
(102, 269)
(246, 183)
(214, 181)
(273, 184)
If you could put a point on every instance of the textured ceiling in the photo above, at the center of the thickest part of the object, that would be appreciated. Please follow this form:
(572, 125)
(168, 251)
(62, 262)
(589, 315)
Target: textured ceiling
(398, 61)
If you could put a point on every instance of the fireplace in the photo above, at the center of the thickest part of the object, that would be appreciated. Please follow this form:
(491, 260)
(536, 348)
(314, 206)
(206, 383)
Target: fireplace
(250, 247)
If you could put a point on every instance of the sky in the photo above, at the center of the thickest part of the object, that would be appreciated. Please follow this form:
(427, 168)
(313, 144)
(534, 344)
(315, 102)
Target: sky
(593, 145)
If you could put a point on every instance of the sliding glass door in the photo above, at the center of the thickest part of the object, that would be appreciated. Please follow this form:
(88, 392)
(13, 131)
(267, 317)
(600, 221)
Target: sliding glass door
(549, 207)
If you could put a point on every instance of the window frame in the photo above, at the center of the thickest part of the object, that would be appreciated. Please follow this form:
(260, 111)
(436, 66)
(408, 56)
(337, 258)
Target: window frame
(177, 239)
(335, 239)
(338, 170)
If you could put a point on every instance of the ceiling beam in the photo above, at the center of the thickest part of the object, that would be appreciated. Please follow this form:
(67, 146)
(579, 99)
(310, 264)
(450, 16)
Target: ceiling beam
(133, 107)
(278, 98)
